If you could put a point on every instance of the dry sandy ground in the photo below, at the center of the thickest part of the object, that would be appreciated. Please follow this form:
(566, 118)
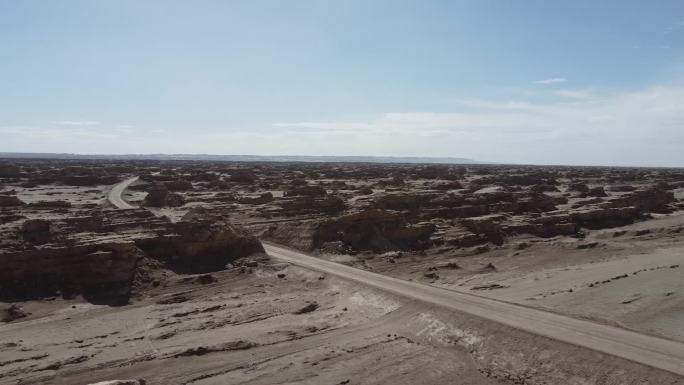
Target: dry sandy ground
(95, 196)
(631, 276)
(245, 328)
(260, 327)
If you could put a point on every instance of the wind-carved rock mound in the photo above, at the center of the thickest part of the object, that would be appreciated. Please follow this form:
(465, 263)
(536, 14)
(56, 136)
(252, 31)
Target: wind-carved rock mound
(98, 255)
(9, 171)
(10, 201)
(653, 199)
(298, 205)
(605, 217)
(375, 230)
(86, 176)
(179, 185)
(158, 195)
(97, 270)
(403, 201)
(306, 191)
(201, 243)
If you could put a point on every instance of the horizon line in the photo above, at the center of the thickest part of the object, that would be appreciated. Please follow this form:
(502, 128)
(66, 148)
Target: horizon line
(448, 160)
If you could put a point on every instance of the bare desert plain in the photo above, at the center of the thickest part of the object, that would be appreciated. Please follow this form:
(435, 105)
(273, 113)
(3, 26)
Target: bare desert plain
(202, 272)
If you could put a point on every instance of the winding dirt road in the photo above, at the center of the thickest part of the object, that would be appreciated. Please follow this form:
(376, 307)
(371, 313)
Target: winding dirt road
(115, 194)
(648, 350)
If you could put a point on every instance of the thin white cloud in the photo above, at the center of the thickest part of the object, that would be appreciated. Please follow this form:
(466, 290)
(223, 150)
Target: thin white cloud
(583, 127)
(577, 94)
(674, 27)
(498, 105)
(408, 124)
(61, 133)
(551, 81)
(126, 126)
(77, 123)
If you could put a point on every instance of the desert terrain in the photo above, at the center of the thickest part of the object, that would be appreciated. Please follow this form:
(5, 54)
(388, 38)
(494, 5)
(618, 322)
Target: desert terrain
(153, 271)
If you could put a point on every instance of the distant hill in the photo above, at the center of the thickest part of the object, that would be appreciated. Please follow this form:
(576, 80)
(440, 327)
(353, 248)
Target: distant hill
(244, 158)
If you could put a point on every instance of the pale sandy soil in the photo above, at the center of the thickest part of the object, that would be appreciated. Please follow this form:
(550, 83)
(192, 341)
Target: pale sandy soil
(75, 195)
(246, 328)
(634, 281)
(249, 327)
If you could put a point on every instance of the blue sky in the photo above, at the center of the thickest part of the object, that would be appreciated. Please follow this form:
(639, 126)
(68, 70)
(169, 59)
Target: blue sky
(530, 81)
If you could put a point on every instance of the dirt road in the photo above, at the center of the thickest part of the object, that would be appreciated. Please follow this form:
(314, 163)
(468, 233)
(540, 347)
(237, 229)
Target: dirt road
(115, 194)
(648, 350)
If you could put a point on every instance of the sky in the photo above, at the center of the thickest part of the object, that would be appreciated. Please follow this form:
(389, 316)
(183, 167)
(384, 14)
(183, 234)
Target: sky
(581, 82)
